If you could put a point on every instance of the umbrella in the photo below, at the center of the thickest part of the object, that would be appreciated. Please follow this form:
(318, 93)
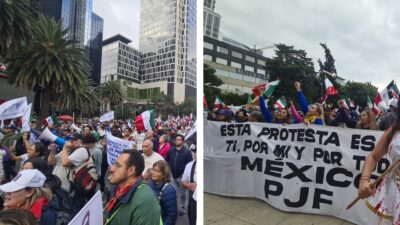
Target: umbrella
(65, 118)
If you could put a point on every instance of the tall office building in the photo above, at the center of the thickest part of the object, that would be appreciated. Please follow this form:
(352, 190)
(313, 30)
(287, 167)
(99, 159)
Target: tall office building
(77, 16)
(211, 19)
(167, 43)
(120, 61)
(95, 47)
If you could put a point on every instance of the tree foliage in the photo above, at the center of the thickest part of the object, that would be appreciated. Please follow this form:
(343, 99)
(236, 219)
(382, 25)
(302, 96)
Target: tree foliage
(329, 64)
(358, 92)
(211, 83)
(15, 26)
(111, 93)
(49, 63)
(290, 65)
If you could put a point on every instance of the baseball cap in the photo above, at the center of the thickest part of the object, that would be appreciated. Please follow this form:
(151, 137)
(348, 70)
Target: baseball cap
(11, 127)
(24, 179)
(76, 136)
(193, 147)
(394, 103)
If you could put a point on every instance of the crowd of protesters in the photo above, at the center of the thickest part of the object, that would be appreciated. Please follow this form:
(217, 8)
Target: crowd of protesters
(144, 186)
(340, 116)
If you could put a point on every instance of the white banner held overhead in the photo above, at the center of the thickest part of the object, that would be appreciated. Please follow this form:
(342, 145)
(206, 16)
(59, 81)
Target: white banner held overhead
(25, 118)
(115, 146)
(191, 131)
(297, 168)
(91, 213)
(13, 108)
(107, 117)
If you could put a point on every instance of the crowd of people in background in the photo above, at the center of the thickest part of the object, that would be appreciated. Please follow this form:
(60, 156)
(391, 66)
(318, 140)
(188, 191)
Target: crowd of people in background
(152, 183)
(340, 116)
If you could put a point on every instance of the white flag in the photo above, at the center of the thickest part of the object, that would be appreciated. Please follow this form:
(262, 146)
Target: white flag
(13, 108)
(25, 118)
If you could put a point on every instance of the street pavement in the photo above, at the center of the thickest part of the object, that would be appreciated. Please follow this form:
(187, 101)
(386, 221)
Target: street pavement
(219, 210)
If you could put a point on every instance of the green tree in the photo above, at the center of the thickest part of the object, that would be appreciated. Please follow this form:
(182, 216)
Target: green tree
(329, 64)
(85, 100)
(291, 65)
(358, 92)
(49, 63)
(233, 99)
(111, 93)
(211, 83)
(188, 106)
(15, 26)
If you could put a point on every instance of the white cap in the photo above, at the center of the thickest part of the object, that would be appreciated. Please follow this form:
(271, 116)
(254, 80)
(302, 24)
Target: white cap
(393, 103)
(24, 179)
(192, 147)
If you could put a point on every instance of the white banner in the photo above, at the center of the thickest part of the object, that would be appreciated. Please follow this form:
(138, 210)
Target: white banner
(13, 108)
(191, 131)
(115, 146)
(25, 118)
(91, 213)
(310, 169)
(107, 117)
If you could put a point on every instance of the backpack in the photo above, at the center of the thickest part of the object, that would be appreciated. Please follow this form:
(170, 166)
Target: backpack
(83, 178)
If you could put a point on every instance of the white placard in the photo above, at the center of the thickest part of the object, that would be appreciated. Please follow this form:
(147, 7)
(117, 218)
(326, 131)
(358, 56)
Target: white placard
(13, 108)
(115, 146)
(107, 117)
(297, 168)
(91, 213)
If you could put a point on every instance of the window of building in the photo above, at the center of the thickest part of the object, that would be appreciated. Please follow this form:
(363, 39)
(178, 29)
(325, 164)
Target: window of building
(208, 45)
(236, 65)
(222, 50)
(222, 61)
(261, 62)
(249, 58)
(249, 68)
(260, 71)
(207, 57)
(237, 54)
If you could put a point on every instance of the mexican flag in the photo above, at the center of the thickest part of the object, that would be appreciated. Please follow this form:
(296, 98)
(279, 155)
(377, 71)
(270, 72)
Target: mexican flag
(205, 105)
(50, 120)
(330, 89)
(145, 121)
(350, 103)
(218, 104)
(267, 88)
(386, 94)
(270, 88)
(280, 103)
(372, 106)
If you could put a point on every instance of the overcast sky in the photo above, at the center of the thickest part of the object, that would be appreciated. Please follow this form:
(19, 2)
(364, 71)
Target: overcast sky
(363, 35)
(120, 17)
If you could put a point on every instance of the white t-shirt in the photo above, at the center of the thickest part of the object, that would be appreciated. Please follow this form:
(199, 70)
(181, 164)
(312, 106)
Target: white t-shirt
(150, 160)
(78, 157)
(186, 176)
(24, 157)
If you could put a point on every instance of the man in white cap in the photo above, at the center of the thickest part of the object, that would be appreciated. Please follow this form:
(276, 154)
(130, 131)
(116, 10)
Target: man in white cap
(387, 120)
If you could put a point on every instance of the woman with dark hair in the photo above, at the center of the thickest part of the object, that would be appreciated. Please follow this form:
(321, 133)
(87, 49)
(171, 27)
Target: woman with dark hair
(165, 191)
(385, 200)
(36, 150)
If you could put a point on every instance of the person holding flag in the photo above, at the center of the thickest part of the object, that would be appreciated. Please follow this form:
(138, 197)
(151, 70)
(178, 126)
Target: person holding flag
(384, 199)
(314, 114)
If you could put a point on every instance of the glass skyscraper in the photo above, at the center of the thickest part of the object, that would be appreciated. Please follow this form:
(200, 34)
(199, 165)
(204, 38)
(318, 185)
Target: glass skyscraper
(211, 19)
(167, 43)
(95, 47)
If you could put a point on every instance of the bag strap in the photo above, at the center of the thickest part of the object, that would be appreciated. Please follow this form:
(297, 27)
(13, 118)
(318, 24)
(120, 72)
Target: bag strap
(192, 172)
(162, 191)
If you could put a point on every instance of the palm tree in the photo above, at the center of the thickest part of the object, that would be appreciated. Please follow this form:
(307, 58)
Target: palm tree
(49, 63)
(86, 100)
(111, 93)
(15, 24)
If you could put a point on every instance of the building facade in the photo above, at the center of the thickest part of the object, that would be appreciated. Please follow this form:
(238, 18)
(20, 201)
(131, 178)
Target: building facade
(120, 61)
(167, 43)
(211, 20)
(238, 66)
